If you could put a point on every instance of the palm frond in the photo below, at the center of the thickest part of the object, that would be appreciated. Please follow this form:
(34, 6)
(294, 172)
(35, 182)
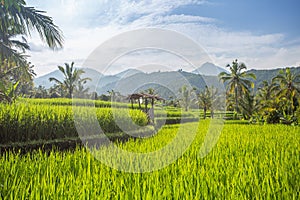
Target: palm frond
(48, 31)
(55, 80)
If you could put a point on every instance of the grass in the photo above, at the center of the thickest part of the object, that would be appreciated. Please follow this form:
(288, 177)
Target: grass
(248, 162)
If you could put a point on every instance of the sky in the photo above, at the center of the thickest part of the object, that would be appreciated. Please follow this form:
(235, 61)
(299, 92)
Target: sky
(263, 34)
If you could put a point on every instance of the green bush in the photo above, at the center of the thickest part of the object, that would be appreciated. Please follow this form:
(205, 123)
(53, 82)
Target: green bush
(174, 120)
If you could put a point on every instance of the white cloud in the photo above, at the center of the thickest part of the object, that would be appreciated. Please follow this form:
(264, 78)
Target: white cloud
(183, 19)
(86, 24)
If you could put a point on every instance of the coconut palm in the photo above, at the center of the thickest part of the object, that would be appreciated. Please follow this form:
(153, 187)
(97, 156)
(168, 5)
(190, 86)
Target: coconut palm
(186, 96)
(249, 105)
(289, 88)
(238, 81)
(81, 91)
(267, 90)
(17, 19)
(206, 99)
(150, 91)
(114, 95)
(266, 94)
(71, 78)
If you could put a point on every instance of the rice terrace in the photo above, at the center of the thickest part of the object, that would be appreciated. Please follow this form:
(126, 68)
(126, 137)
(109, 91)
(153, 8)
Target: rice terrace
(147, 100)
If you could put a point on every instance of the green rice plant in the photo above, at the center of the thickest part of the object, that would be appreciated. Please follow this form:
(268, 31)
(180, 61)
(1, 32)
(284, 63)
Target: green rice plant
(172, 113)
(78, 102)
(22, 122)
(248, 162)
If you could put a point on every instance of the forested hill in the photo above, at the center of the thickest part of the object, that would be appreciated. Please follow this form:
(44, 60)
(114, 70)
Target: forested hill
(268, 74)
(162, 82)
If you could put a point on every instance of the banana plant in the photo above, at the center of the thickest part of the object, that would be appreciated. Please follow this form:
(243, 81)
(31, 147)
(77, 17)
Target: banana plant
(8, 92)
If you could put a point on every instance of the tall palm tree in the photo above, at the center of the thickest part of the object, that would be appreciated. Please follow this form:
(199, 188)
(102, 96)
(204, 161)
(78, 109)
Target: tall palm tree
(238, 81)
(17, 19)
(290, 88)
(71, 78)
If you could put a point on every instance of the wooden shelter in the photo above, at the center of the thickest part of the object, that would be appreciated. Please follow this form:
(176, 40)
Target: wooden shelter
(142, 97)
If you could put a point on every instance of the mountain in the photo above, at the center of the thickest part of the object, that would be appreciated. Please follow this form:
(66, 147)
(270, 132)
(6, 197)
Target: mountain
(44, 80)
(165, 84)
(128, 72)
(268, 74)
(98, 79)
(90, 73)
(209, 69)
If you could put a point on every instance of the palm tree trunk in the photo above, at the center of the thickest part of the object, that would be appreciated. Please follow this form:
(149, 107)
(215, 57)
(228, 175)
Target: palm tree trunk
(70, 93)
(236, 99)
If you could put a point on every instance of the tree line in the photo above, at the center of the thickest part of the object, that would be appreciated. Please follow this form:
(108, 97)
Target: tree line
(275, 100)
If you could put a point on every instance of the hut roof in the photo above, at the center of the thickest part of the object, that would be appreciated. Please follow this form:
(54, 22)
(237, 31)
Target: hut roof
(144, 96)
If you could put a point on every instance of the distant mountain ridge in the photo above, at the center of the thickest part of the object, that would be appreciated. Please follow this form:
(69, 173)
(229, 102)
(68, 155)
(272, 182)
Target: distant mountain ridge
(128, 72)
(268, 74)
(164, 83)
(209, 69)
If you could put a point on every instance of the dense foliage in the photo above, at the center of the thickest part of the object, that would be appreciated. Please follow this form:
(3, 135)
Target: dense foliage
(16, 22)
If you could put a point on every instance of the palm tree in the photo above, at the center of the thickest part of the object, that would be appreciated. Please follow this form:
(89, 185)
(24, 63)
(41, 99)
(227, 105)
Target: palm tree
(204, 101)
(289, 90)
(249, 105)
(71, 78)
(266, 93)
(150, 91)
(81, 91)
(113, 95)
(267, 90)
(16, 19)
(186, 97)
(237, 80)
(207, 99)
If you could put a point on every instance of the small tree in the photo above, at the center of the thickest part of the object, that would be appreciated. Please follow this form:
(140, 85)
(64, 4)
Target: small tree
(186, 97)
(207, 99)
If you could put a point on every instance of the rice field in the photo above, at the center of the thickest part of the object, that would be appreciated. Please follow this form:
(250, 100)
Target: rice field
(248, 162)
(25, 122)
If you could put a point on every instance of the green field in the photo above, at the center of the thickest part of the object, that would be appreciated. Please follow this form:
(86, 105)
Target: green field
(249, 161)
(155, 111)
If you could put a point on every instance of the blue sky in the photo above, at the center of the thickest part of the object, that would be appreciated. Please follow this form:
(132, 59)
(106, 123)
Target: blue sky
(263, 16)
(263, 34)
